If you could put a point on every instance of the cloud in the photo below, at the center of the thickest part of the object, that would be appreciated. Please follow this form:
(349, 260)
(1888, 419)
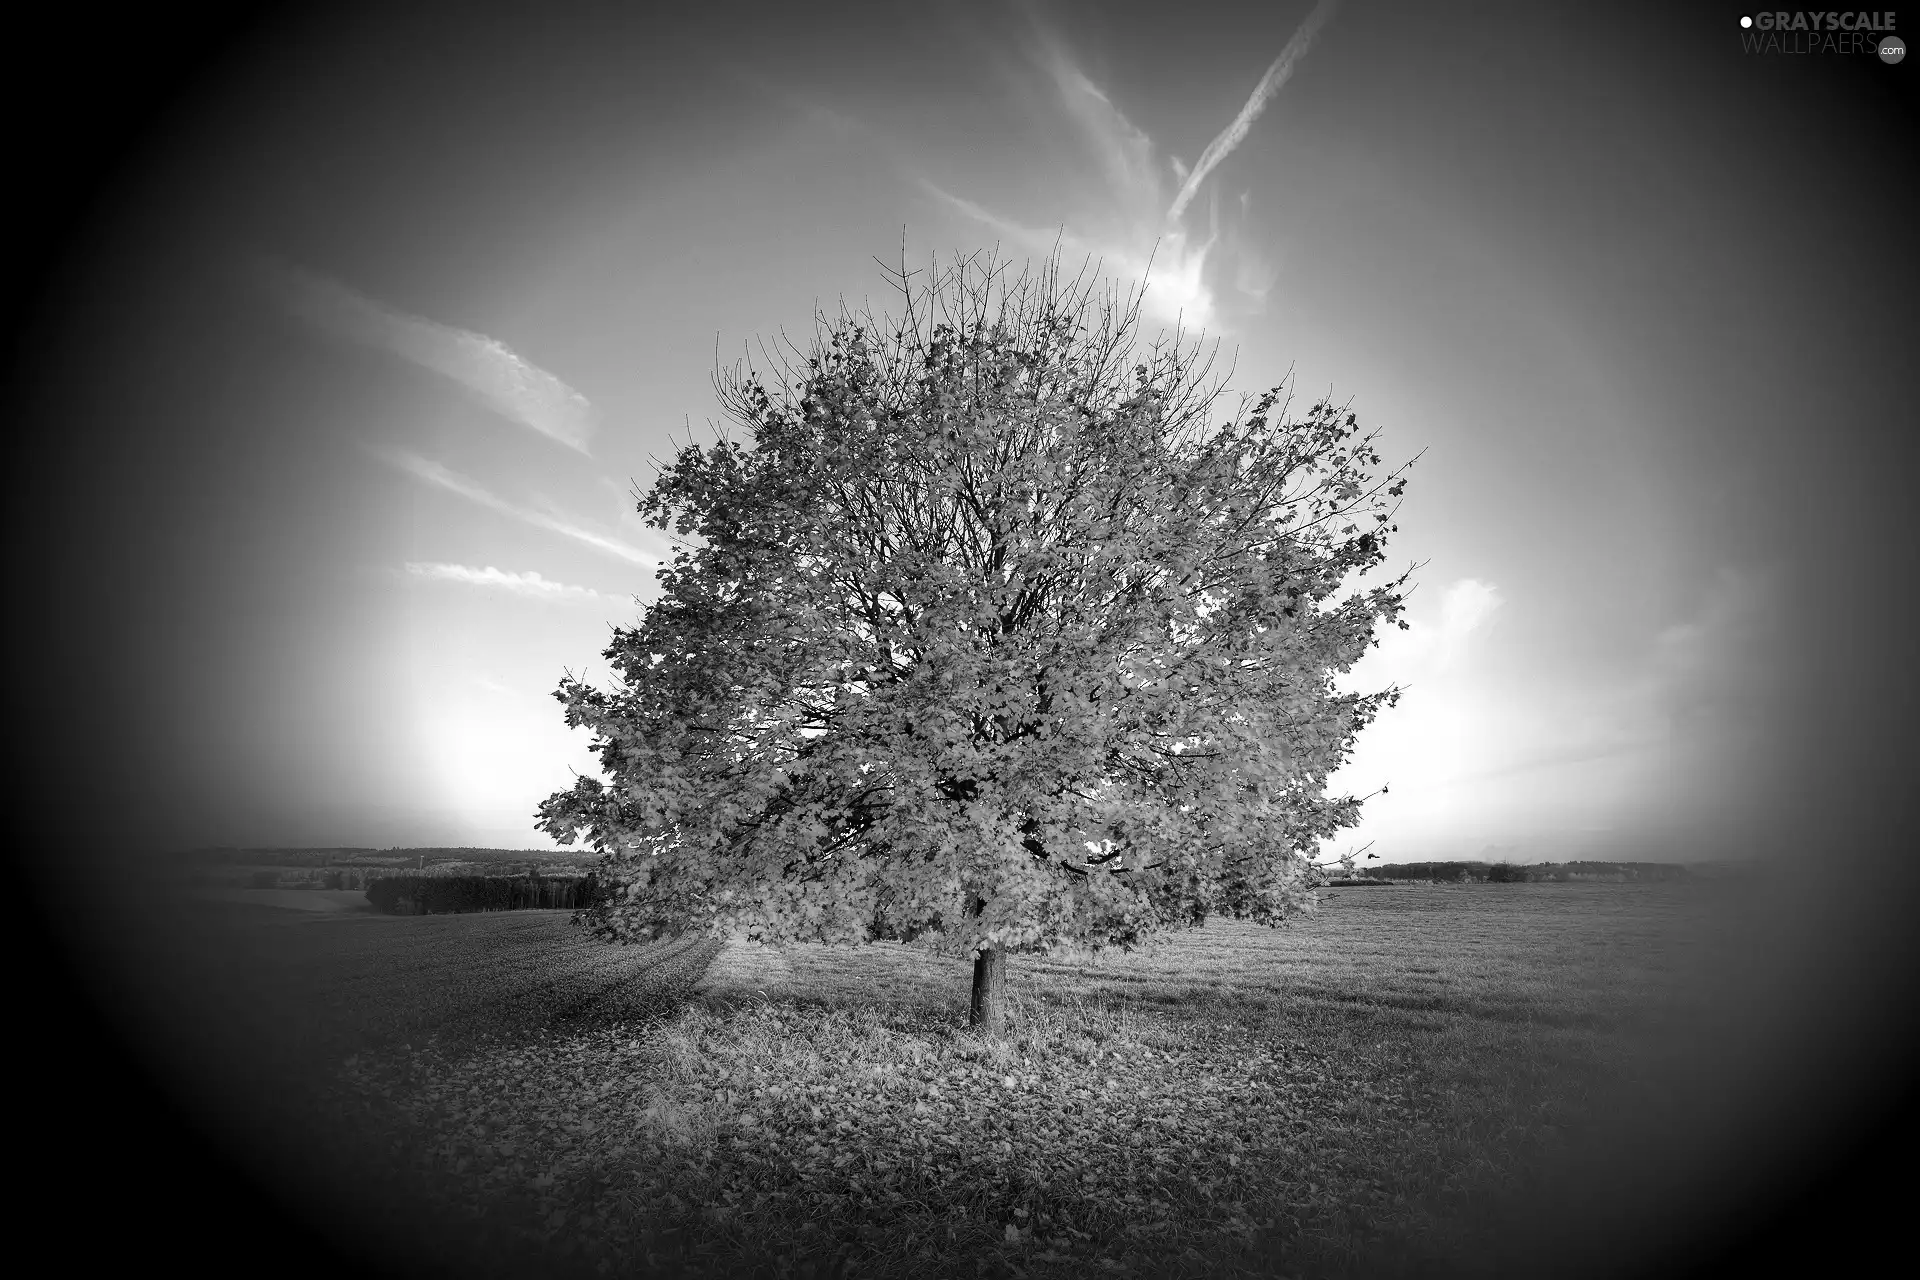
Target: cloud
(486, 366)
(1700, 686)
(1176, 291)
(1466, 606)
(1712, 664)
(530, 584)
(1230, 137)
(1701, 681)
(1254, 273)
(1031, 238)
(1123, 150)
(440, 477)
(1693, 748)
(1428, 648)
(1131, 227)
(1692, 743)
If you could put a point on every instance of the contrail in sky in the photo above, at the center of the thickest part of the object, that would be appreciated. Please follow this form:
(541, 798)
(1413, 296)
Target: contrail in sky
(1032, 237)
(435, 474)
(1132, 231)
(521, 391)
(524, 584)
(1270, 83)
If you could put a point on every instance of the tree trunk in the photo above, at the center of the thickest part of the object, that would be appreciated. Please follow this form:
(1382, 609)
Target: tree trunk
(990, 992)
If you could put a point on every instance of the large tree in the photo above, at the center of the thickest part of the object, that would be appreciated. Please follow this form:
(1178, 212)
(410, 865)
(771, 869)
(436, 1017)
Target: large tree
(987, 637)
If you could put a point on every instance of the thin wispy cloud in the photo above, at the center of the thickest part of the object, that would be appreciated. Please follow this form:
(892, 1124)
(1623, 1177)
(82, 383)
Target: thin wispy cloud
(508, 383)
(1270, 83)
(529, 584)
(1031, 237)
(1123, 150)
(1176, 291)
(1131, 227)
(441, 477)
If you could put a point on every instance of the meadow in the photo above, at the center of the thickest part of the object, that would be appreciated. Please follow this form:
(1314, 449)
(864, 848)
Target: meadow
(1419, 1080)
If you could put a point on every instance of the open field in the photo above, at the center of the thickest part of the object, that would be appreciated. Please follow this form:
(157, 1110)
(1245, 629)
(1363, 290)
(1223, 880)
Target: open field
(245, 1008)
(1425, 1080)
(1490, 1079)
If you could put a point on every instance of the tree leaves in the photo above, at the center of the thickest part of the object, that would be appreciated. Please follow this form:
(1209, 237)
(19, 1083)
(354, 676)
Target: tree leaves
(987, 613)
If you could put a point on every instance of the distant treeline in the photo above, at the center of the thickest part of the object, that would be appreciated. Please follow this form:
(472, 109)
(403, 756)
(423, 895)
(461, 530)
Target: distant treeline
(441, 895)
(373, 857)
(358, 875)
(296, 877)
(1511, 873)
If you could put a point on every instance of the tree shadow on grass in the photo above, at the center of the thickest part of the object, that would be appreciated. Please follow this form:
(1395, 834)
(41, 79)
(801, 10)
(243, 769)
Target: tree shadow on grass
(241, 1016)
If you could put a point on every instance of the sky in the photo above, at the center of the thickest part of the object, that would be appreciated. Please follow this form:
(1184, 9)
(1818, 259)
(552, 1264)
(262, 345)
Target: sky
(378, 323)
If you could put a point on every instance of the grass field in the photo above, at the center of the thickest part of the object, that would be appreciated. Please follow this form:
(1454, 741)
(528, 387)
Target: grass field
(1418, 1080)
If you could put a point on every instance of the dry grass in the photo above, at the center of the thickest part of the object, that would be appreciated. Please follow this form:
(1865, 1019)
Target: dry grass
(1332, 1097)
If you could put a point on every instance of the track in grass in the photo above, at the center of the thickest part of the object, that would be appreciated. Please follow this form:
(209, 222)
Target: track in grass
(247, 1014)
(318, 987)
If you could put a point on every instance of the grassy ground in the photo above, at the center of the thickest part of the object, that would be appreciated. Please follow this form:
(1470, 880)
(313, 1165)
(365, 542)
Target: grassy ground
(243, 1014)
(1382, 1088)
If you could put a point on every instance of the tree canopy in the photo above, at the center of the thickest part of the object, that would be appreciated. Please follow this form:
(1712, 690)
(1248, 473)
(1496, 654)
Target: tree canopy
(987, 635)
